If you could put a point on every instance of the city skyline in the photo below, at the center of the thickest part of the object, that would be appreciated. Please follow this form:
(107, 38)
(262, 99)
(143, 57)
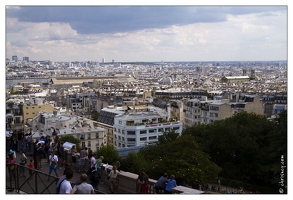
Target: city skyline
(147, 33)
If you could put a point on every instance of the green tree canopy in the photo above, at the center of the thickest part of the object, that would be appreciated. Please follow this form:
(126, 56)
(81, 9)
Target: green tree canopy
(109, 153)
(182, 158)
(246, 146)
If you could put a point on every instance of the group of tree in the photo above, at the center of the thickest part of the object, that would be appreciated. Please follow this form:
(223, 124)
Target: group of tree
(248, 147)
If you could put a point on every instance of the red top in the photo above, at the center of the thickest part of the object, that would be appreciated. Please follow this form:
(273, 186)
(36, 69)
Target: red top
(10, 161)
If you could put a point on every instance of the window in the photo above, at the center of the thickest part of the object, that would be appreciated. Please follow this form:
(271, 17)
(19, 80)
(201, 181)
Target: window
(160, 130)
(175, 128)
(88, 143)
(17, 120)
(152, 137)
(152, 130)
(97, 143)
(216, 108)
(143, 132)
(120, 122)
(89, 136)
(123, 131)
(130, 132)
(143, 139)
(131, 139)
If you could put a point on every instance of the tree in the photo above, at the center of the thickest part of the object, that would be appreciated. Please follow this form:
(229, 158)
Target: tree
(134, 163)
(245, 146)
(109, 153)
(168, 137)
(95, 116)
(182, 158)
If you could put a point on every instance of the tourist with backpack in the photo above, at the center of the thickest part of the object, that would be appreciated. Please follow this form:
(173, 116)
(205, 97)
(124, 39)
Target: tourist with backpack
(63, 185)
(53, 164)
(95, 178)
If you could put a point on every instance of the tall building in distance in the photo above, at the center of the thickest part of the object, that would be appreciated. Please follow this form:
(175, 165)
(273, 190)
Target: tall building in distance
(14, 58)
(26, 59)
(103, 60)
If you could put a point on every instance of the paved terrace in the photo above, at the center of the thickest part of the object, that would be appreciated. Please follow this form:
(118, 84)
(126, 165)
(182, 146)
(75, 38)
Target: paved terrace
(39, 184)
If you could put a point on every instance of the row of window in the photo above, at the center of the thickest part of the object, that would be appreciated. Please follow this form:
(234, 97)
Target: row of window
(159, 130)
(134, 139)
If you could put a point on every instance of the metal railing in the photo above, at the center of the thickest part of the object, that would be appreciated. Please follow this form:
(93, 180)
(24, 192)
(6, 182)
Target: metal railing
(24, 180)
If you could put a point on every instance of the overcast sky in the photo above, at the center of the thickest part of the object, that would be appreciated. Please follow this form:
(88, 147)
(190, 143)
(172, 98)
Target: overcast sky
(147, 33)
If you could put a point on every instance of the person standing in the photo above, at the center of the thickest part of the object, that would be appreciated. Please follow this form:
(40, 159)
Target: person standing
(30, 166)
(83, 187)
(92, 164)
(113, 178)
(53, 164)
(11, 167)
(73, 157)
(82, 159)
(62, 154)
(99, 164)
(95, 178)
(145, 185)
(139, 181)
(23, 160)
(64, 184)
(35, 156)
(39, 155)
(20, 137)
(171, 184)
(161, 183)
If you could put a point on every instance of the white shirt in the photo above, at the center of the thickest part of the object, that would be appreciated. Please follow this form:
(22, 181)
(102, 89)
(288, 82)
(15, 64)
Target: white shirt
(54, 158)
(93, 161)
(65, 187)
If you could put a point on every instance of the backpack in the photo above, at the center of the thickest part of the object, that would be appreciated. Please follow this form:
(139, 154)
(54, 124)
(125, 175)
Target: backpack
(59, 185)
(53, 163)
(95, 176)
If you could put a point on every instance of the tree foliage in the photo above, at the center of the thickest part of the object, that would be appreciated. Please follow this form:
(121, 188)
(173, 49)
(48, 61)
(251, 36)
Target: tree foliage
(109, 153)
(180, 157)
(246, 146)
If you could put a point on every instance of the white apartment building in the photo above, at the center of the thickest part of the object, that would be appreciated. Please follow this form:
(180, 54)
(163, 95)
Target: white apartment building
(208, 111)
(142, 128)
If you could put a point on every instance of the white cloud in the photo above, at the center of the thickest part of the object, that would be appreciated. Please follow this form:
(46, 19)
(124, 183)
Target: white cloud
(242, 37)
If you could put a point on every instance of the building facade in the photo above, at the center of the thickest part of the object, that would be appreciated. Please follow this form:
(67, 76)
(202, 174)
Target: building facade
(142, 128)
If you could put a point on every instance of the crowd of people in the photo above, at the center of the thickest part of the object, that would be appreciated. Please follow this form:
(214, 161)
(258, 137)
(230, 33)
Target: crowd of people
(85, 162)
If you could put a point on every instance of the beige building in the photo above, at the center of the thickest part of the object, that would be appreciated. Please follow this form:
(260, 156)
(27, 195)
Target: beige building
(31, 111)
(208, 111)
(176, 110)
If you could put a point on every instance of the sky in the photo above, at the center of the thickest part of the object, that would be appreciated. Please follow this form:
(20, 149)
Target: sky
(147, 33)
